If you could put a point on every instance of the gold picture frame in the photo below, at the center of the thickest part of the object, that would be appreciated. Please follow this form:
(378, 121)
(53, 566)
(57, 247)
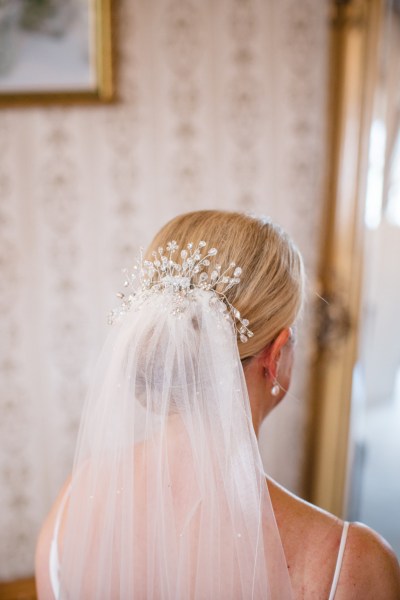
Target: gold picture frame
(100, 85)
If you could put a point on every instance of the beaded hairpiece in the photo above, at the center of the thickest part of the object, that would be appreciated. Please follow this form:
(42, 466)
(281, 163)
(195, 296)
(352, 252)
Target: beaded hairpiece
(183, 278)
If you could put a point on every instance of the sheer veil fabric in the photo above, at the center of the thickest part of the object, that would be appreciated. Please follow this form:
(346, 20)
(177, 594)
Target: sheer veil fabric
(168, 496)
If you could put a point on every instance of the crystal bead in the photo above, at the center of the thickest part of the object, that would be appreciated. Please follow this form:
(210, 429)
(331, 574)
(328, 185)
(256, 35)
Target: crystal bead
(172, 246)
(181, 280)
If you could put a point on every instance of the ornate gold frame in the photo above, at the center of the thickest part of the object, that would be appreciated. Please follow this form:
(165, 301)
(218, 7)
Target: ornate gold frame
(355, 29)
(104, 91)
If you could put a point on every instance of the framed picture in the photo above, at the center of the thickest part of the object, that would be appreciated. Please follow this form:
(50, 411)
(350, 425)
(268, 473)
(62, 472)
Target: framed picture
(55, 51)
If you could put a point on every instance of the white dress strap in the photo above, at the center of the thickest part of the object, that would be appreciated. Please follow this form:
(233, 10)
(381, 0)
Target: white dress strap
(54, 560)
(339, 560)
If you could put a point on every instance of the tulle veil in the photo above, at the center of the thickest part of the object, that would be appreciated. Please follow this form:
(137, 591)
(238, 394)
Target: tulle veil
(168, 498)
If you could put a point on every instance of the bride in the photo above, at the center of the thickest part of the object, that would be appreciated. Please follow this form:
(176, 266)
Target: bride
(168, 498)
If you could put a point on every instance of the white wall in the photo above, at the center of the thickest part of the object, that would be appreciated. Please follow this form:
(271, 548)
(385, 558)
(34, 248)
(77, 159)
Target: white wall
(221, 106)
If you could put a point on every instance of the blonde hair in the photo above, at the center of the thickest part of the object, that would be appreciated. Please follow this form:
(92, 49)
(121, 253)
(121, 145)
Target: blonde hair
(271, 289)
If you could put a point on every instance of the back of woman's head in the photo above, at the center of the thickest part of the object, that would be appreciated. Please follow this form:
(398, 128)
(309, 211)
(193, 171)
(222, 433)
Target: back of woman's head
(270, 292)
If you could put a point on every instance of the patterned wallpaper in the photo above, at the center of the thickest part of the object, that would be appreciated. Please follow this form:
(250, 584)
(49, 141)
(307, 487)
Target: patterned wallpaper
(221, 105)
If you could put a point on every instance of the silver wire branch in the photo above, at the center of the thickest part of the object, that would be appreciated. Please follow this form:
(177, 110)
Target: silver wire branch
(164, 273)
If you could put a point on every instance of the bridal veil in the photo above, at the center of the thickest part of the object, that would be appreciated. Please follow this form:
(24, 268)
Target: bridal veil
(168, 498)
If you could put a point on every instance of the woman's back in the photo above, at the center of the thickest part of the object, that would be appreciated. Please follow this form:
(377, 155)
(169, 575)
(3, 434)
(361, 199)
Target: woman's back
(311, 540)
(139, 516)
(189, 522)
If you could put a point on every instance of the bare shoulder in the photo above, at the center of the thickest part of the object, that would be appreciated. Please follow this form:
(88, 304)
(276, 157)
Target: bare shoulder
(294, 511)
(42, 554)
(311, 538)
(370, 567)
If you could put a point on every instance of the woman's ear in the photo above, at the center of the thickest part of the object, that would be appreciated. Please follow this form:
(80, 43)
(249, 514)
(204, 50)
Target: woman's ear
(272, 353)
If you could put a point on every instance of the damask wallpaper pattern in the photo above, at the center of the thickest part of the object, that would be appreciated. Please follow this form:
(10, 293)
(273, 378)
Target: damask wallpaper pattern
(221, 105)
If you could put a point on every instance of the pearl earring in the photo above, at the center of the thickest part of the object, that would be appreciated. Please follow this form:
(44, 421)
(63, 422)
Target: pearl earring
(275, 389)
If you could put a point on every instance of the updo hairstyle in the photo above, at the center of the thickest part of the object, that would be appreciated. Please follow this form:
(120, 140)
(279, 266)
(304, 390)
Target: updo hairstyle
(271, 289)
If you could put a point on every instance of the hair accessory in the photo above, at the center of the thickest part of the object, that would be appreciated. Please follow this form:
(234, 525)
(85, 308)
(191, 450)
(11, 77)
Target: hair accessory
(183, 278)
